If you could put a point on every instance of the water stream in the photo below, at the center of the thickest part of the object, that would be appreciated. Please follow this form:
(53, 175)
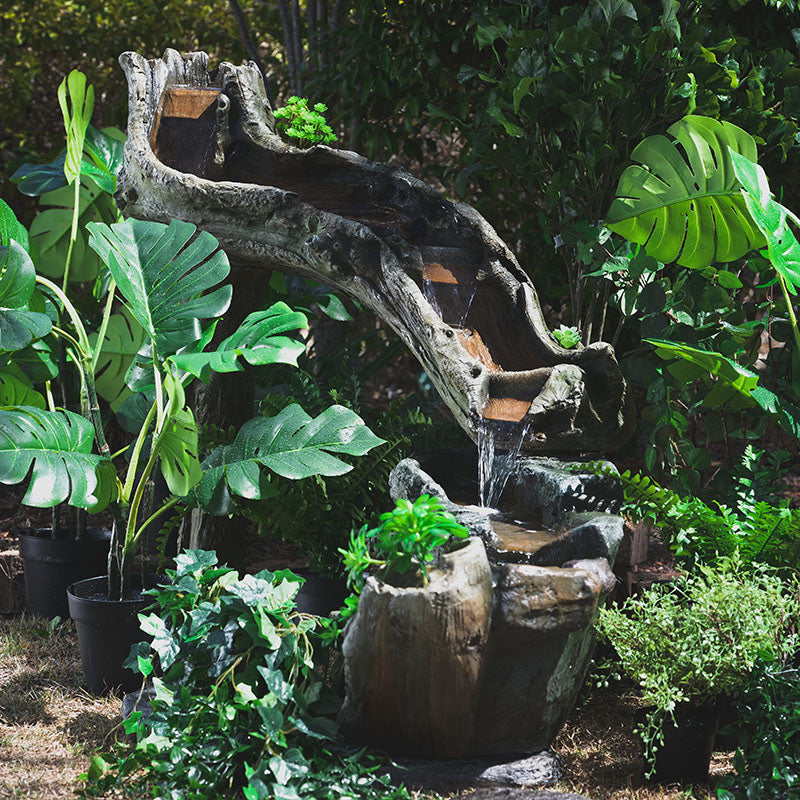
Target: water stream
(499, 443)
(451, 301)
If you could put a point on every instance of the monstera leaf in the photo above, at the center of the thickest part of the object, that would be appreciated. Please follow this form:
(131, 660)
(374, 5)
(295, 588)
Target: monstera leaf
(124, 337)
(17, 390)
(772, 219)
(161, 272)
(256, 340)
(105, 149)
(50, 231)
(18, 326)
(55, 447)
(682, 201)
(291, 444)
(180, 464)
(11, 228)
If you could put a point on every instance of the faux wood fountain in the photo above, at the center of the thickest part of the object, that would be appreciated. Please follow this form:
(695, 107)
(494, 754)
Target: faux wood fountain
(202, 148)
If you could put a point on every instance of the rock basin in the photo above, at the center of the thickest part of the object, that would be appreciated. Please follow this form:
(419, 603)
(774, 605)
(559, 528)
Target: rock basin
(506, 689)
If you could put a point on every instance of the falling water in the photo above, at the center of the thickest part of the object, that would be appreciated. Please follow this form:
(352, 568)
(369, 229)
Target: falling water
(499, 443)
(451, 301)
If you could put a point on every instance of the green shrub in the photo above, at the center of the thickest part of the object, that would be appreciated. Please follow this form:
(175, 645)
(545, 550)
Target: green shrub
(238, 706)
(767, 761)
(699, 638)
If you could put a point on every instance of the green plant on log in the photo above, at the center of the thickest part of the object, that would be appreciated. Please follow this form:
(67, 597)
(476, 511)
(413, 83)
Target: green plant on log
(307, 125)
(404, 543)
(701, 637)
(238, 707)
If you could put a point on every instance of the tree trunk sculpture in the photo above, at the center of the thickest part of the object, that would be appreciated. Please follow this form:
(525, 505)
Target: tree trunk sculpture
(202, 147)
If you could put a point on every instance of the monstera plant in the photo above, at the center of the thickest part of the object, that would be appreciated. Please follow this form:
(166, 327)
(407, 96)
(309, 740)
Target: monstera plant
(700, 198)
(171, 281)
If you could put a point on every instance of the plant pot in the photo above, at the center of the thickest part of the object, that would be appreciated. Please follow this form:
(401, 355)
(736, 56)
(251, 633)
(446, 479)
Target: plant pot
(53, 563)
(107, 629)
(685, 755)
(320, 595)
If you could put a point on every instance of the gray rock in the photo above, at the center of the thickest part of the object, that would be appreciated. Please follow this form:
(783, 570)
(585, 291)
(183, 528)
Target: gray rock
(447, 775)
(138, 701)
(520, 794)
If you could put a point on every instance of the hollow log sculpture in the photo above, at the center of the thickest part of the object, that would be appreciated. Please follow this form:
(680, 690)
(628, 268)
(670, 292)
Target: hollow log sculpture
(202, 148)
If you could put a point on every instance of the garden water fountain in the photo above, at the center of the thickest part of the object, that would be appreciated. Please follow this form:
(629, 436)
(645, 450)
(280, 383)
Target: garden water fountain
(515, 639)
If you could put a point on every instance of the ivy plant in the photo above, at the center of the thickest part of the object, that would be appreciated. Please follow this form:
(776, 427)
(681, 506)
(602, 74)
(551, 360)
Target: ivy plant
(238, 708)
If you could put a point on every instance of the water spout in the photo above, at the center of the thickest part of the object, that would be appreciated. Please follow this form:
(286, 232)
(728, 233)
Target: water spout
(499, 443)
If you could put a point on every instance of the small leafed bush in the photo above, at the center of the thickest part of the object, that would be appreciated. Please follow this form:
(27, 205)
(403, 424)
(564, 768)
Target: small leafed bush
(704, 636)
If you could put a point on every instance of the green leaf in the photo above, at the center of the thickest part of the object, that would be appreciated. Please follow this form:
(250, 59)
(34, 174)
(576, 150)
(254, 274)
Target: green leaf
(124, 337)
(161, 272)
(291, 444)
(682, 201)
(180, 464)
(77, 114)
(50, 231)
(105, 148)
(256, 340)
(520, 91)
(18, 326)
(11, 229)
(17, 390)
(37, 179)
(55, 447)
(735, 375)
(772, 219)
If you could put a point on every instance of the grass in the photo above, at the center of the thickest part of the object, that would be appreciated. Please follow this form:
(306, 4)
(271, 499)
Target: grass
(48, 722)
(49, 725)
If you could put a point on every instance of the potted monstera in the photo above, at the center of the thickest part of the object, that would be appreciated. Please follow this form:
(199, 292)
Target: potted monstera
(171, 280)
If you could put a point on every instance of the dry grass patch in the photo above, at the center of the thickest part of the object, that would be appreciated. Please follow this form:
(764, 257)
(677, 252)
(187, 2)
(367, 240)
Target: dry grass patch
(48, 722)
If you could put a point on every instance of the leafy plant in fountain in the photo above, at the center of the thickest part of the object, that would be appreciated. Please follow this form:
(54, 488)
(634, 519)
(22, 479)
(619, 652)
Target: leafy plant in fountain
(405, 542)
(306, 125)
(699, 638)
(237, 705)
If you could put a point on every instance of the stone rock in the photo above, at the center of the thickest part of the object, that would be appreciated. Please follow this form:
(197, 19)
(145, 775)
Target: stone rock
(540, 769)
(520, 794)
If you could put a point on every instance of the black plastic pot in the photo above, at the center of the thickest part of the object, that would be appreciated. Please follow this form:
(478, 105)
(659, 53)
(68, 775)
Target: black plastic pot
(320, 595)
(106, 631)
(685, 755)
(53, 563)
